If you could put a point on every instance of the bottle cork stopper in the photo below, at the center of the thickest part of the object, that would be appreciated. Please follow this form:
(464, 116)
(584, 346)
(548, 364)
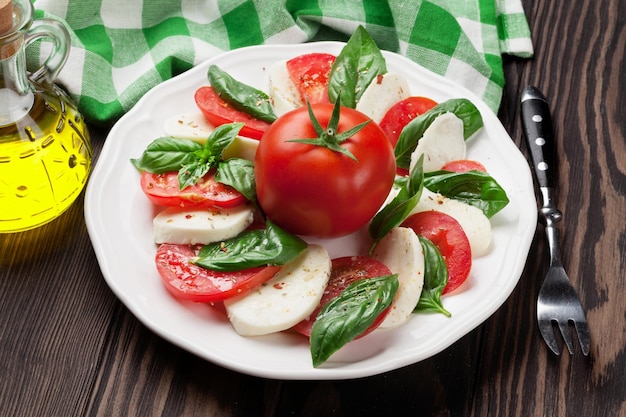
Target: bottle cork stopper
(6, 24)
(6, 16)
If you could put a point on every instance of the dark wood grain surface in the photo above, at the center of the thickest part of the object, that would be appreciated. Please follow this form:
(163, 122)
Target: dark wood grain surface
(69, 347)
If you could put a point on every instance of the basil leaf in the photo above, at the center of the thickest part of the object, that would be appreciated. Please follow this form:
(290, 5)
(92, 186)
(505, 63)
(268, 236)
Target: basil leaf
(239, 174)
(357, 65)
(191, 159)
(166, 154)
(190, 174)
(475, 188)
(414, 130)
(241, 96)
(220, 139)
(349, 314)
(435, 280)
(394, 213)
(400, 181)
(270, 246)
(209, 155)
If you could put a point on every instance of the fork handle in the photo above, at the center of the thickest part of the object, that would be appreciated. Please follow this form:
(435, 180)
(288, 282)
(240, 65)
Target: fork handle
(537, 124)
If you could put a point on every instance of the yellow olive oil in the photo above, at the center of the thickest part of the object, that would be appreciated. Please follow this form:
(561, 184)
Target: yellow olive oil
(45, 160)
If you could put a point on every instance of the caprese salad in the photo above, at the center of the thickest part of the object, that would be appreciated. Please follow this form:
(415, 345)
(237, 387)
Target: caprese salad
(255, 183)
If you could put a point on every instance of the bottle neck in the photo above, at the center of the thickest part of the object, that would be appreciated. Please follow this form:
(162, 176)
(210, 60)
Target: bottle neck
(16, 95)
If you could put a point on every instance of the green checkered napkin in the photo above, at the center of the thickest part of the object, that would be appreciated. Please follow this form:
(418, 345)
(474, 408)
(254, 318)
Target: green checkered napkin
(122, 48)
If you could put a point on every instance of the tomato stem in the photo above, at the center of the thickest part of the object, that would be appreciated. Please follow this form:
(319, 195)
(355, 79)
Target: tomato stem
(330, 138)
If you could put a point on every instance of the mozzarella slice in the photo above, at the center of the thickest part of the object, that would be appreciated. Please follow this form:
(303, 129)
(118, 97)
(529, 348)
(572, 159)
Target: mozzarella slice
(475, 224)
(191, 126)
(283, 93)
(189, 227)
(442, 142)
(382, 93)
(241, 147)
(194, 126)
(402, 252)
(285, 300)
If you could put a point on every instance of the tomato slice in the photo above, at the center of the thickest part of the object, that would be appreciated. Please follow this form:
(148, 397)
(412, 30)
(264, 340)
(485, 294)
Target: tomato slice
(186, 281)
(219, 112)
(344, 272)
(464, 165)
(310, 72)
(163, 190)
(450, 238)
(401, 113)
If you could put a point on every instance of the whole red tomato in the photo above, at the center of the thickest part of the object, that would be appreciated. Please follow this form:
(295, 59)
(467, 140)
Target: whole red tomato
(317, 191)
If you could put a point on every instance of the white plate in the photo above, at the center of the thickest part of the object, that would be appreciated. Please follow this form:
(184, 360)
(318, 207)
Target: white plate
(119, 220)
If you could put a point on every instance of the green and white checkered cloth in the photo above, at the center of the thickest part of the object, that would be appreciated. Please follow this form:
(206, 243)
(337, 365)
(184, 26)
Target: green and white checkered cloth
(122, 48)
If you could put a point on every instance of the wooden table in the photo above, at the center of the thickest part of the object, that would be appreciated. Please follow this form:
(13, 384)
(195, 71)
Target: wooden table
(69, 347)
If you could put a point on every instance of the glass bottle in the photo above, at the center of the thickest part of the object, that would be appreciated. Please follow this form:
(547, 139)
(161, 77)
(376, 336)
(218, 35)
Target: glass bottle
(45, 149)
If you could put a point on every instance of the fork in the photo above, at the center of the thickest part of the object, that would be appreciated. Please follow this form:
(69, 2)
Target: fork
(557, 304)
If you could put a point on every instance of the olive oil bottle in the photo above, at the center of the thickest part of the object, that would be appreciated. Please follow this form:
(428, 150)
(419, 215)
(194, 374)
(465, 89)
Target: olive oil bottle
(45, 150)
